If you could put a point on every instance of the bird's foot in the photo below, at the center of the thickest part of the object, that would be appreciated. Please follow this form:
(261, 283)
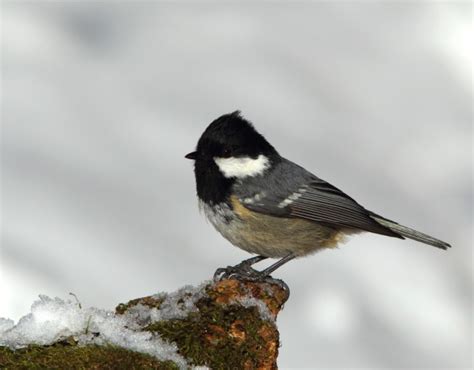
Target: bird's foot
(244, 272)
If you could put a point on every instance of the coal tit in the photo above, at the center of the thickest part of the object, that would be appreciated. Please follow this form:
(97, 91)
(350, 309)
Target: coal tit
(270, 206)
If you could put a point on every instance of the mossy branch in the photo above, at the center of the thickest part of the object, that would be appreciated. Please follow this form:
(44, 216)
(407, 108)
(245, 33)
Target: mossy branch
(232, 326)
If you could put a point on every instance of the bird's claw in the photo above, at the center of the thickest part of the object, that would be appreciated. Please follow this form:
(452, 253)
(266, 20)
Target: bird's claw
(244, 272)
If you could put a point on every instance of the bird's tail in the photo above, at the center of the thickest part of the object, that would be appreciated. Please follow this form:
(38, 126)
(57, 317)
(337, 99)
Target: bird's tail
(410, 233)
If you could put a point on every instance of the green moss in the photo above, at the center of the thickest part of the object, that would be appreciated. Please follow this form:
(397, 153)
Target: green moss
(146, 301)
(66, 356)
(218, 336)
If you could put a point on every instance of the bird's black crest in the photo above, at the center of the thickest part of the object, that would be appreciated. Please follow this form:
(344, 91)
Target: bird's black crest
(233, 135)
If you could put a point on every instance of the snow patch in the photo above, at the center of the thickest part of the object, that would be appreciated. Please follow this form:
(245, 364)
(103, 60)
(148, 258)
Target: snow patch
(6, 324)
(52, 320)
(179, 304)
(175, 305)
(249, 301)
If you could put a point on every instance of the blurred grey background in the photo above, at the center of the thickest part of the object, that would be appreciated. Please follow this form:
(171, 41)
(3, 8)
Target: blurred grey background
(101, 101)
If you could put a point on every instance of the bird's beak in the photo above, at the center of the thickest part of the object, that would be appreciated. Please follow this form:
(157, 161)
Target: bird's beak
(192, 155)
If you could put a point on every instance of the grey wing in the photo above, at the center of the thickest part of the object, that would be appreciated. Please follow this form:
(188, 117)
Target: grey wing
(298, 193)
(323, 203)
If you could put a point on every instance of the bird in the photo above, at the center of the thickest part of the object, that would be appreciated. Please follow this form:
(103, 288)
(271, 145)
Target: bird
(270, 206)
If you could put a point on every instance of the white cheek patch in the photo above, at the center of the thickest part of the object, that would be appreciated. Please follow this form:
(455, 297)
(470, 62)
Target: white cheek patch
(242, 167)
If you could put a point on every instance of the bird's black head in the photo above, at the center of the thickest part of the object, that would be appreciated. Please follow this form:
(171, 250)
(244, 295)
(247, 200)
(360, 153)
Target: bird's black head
(229, 149)
(231, 135)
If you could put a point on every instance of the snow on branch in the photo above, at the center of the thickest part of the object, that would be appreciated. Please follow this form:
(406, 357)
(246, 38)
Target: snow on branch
(228, 324)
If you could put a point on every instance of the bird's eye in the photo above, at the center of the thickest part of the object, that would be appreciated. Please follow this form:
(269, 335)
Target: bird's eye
(226, 152)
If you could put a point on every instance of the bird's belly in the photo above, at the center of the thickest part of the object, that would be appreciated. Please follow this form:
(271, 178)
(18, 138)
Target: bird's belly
(268, 235)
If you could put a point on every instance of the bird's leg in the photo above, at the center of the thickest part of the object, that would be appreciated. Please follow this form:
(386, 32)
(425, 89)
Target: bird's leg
(264, 275)
(271, 268)
(244, 268)
(252, 261)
